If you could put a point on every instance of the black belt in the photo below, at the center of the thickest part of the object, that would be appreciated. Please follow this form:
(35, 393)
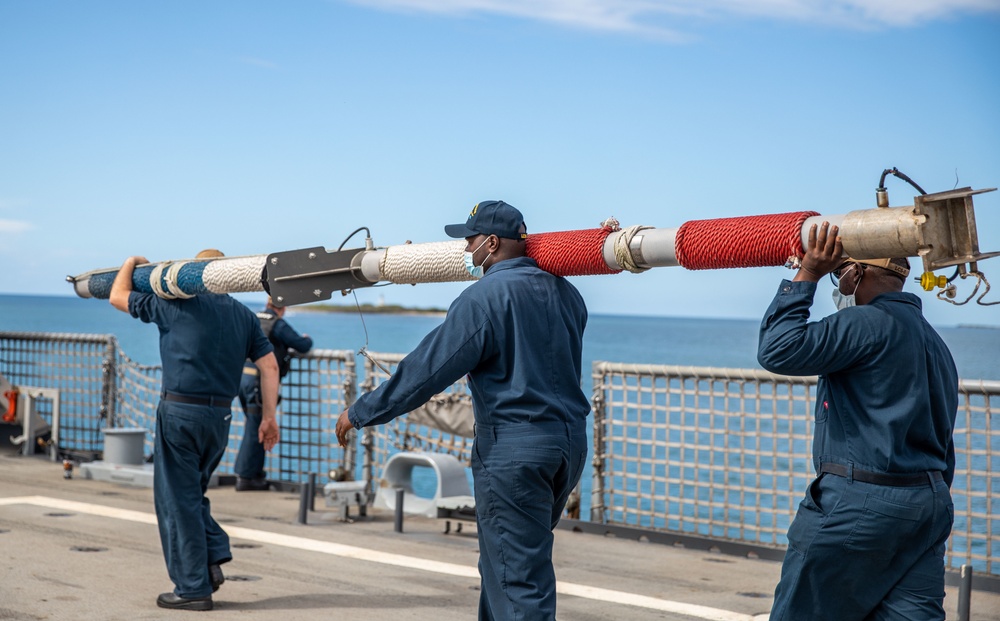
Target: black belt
(213, 401)
(881, 478)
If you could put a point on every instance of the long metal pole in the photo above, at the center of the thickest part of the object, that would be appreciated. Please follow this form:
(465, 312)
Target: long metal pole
(939, 228)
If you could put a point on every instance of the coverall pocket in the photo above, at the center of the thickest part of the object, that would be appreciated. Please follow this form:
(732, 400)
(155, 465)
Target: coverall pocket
(822, 498)
(483, 488)
(883, 526)
(536, 469)
(822, 411)
(824, 494)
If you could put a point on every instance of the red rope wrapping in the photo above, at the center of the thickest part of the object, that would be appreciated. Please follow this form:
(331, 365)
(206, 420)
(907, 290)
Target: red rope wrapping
(749, 241)
(570, 253)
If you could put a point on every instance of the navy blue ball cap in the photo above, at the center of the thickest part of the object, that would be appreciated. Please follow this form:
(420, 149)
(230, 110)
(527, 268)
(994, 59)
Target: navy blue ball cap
(490, 218)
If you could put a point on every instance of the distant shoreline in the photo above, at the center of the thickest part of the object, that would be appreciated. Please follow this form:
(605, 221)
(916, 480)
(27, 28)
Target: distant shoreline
(393, 309)
(371, 309)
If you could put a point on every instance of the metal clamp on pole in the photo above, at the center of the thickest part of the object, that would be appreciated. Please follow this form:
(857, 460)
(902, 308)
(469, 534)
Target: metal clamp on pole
(312, 274)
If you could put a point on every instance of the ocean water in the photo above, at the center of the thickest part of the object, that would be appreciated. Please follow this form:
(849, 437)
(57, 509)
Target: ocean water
(616, 338)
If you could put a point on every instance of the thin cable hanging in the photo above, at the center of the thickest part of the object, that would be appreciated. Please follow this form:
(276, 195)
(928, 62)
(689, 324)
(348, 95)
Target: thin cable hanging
(364, 349)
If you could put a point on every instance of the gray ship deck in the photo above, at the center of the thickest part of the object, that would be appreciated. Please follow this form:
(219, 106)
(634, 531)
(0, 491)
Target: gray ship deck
(84, 549)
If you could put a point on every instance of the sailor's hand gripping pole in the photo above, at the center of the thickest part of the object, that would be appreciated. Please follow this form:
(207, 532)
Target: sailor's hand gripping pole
(938, 228)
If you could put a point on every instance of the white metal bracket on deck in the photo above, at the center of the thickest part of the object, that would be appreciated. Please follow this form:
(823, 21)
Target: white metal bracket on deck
(33, 425)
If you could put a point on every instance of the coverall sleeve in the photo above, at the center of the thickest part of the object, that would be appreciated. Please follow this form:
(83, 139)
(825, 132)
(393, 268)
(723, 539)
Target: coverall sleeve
(148, 308)
(446, 354)
(790, 345)
(290, 337)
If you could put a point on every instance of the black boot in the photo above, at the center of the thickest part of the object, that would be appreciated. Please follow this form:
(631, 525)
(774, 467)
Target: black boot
(171, 600)
(216, 577)
(251, 485)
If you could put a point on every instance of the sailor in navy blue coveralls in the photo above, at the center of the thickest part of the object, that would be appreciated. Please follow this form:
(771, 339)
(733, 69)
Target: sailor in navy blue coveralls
(249, 465)
(204, 341)
(868, 540)
(518, 335)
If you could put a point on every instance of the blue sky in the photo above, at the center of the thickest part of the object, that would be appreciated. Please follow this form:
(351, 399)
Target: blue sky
(254, 127)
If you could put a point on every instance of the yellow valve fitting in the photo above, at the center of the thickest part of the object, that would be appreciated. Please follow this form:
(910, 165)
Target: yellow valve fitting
(928, 281)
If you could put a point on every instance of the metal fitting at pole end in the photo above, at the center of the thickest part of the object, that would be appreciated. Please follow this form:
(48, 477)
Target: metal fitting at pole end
(928, 281)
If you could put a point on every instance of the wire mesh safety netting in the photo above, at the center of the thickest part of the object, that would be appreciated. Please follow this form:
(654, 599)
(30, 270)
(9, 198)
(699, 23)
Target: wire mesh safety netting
(719, 453)
(101, 387)
(727, 453)
(444, 425)
(81, 367)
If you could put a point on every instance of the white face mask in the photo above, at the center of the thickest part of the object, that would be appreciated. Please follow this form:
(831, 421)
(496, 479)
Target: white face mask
(476, 271)
(842, 301)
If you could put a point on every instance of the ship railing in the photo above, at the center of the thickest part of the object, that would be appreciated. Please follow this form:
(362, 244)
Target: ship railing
(81, 367)
(101, 387)
(318, 387)
(726, 454)
(723, 454)
(443, 425)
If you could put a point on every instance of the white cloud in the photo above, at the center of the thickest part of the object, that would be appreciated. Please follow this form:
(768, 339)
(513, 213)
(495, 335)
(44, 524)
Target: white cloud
(257, 62)
(14, 226)
(653, 17)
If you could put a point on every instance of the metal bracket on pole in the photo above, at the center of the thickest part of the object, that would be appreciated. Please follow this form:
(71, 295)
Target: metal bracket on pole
(312, 274)
(946, 234)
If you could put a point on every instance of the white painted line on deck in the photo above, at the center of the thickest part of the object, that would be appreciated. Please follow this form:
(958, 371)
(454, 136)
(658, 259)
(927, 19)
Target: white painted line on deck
(397, 560)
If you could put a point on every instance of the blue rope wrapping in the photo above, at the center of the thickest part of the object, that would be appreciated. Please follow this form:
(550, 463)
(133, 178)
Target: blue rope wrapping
(189, 280)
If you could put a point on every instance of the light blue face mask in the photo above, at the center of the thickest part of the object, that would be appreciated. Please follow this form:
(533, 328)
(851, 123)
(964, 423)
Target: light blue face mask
(476, 271)
(842, 301)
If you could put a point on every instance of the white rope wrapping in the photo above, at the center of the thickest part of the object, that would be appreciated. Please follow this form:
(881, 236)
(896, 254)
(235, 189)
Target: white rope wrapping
(155, 281)
(172, 285)
(234, 274)
(409, 264)
(173, 290)
(623, 252)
